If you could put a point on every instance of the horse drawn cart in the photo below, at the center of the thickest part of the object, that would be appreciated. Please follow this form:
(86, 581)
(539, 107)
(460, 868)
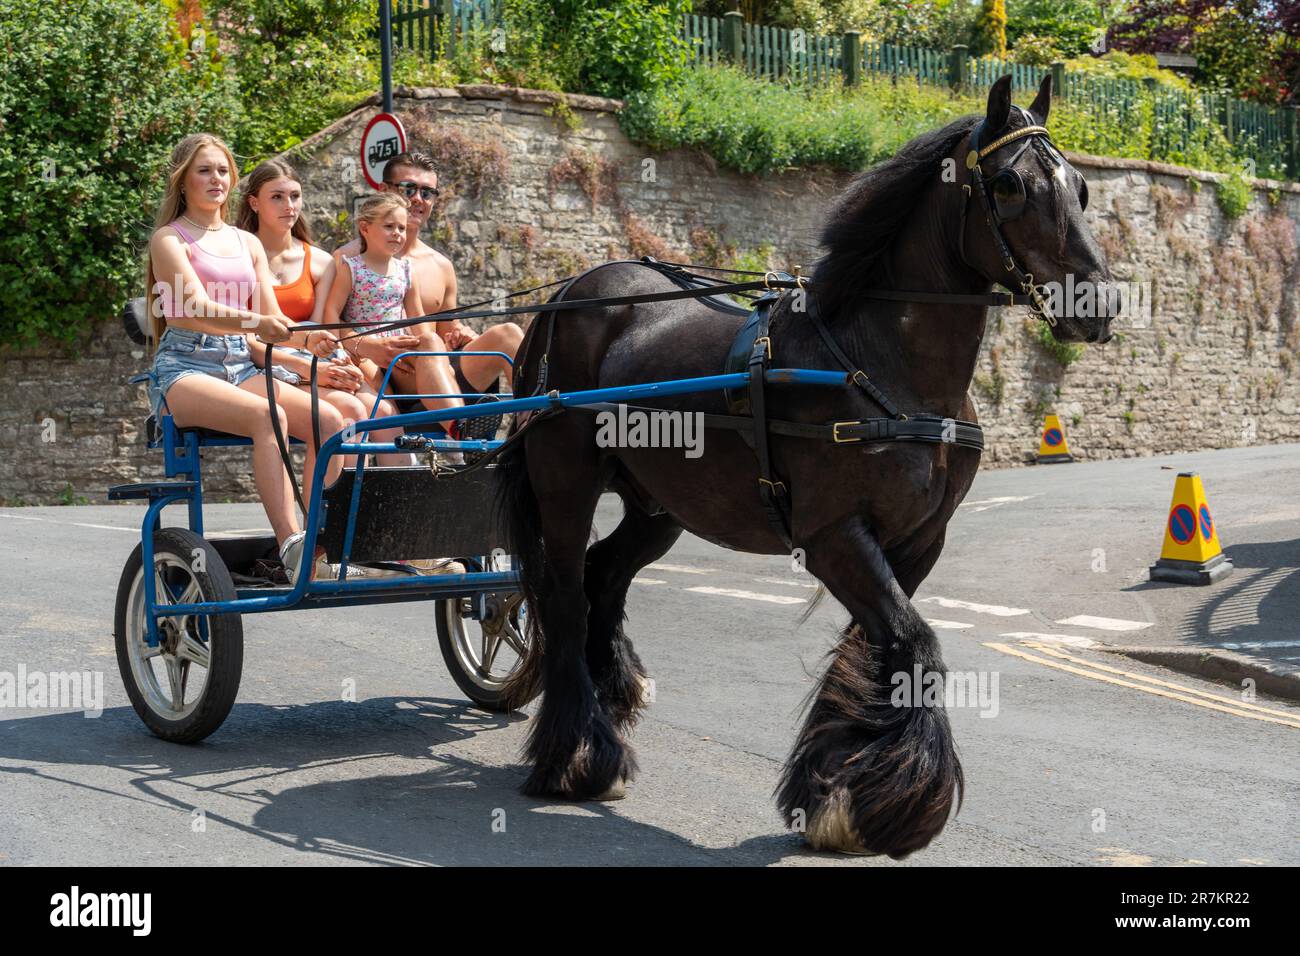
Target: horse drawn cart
(179, 631)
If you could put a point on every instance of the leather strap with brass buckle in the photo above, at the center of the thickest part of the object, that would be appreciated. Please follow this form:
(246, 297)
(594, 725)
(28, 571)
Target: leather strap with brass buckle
(835, 433)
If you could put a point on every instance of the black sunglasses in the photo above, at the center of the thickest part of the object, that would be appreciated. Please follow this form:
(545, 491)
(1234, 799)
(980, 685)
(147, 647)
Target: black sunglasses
(410, 189)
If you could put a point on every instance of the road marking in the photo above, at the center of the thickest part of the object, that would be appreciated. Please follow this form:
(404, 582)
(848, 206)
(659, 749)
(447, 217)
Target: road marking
(1234, 701)
(984, 504)
(648, 581)
(679, 568)
(1103, 623)
(948, 625)
(1156, 691)
(749, 595)
(1256, 645)
(785, 583)
(1070, 639)
(71, 524)
(994, 609)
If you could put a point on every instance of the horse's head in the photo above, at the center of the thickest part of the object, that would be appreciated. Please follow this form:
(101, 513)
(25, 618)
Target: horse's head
(1023, 224)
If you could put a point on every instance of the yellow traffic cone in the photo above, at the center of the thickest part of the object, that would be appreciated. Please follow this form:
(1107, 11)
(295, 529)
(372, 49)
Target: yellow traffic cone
(1052, 446)
(1191, 553)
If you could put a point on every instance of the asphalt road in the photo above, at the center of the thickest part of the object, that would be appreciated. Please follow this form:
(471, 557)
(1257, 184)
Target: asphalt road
(1083, 757)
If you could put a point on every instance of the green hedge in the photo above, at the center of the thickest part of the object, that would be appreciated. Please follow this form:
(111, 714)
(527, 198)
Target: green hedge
(93, 96)
(756, 126)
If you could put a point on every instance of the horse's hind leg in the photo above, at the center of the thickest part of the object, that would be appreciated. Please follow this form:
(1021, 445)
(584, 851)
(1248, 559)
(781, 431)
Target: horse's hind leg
(612, 563)
(573, 746)
(867, 775)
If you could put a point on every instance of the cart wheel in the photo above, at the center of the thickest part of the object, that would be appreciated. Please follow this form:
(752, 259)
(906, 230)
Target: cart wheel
(183, 688)
(481, 654)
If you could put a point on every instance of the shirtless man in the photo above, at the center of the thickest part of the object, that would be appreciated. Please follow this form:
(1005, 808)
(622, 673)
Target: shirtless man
(413, 175)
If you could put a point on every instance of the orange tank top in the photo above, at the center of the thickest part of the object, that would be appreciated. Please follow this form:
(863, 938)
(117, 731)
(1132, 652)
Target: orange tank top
(298, 298)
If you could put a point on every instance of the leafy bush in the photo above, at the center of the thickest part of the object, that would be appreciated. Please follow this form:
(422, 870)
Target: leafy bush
(760, 127)
(93, 96)
(1071, 26)
(1233, 193)
(300, 64)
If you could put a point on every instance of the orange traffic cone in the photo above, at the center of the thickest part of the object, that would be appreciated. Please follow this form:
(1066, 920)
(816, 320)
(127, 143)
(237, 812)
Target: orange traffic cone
(1052, 446)
(1191, 553)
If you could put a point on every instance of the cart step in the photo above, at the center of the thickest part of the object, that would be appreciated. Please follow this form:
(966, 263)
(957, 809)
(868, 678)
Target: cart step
(150, 490)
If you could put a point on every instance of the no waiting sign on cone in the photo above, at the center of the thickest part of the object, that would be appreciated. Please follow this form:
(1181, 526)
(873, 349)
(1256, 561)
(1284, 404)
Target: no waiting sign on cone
(1052, 446)
(1191, 553)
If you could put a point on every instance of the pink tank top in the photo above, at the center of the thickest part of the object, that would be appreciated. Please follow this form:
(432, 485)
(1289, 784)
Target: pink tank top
(228, 280)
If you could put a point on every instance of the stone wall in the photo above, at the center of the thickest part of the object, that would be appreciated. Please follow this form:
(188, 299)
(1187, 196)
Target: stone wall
(536, 186)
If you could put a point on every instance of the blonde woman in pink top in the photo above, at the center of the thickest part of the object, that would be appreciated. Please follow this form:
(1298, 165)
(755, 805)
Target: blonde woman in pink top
(209, 286)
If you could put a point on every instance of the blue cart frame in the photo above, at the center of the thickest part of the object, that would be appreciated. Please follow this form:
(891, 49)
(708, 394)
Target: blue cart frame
(182, 459)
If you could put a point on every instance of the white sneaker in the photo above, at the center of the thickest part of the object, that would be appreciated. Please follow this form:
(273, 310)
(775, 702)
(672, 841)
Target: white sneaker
(437, 566)
(291, 557)
(291, 553)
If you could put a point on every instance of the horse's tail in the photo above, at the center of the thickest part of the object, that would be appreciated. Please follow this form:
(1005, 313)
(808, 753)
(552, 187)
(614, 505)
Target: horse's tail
(521, 519)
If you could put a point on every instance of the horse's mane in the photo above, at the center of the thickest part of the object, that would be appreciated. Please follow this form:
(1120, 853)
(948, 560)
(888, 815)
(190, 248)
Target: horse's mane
(866, 218)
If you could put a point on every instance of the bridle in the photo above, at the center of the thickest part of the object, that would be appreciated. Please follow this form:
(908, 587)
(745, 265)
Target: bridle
(1002, 197)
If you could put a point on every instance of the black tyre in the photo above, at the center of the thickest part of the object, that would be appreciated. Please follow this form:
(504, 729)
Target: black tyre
(183, 688)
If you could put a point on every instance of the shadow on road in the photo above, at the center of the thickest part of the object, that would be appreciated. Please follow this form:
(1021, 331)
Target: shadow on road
(451, 811)
(1253, 611)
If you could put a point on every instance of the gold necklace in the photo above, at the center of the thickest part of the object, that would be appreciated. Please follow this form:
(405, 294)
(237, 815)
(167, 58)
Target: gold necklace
(200, 226)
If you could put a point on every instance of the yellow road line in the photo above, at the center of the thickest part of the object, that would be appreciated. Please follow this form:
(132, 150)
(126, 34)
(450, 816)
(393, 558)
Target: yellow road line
(1162, 683)
(1093, 675)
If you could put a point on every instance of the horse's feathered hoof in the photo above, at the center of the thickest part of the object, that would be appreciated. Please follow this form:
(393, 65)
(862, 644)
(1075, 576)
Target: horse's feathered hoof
(617, 791)
(598, 770)
(885, 784)
(832, 827)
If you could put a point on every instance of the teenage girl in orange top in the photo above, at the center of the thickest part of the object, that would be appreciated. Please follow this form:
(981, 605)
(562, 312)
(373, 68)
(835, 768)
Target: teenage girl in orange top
(272, 208)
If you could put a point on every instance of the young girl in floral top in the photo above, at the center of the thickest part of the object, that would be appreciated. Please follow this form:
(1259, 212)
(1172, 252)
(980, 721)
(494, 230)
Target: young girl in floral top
(374, 287)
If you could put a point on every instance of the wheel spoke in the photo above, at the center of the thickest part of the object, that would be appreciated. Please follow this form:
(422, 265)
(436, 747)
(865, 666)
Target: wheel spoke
(191, 648)
(191, 594)
(490, 644)
(514, 639)
(175, 681)
(162, 593)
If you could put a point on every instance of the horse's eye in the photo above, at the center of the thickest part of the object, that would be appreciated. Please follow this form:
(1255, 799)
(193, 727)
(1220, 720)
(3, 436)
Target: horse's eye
(1083, 193)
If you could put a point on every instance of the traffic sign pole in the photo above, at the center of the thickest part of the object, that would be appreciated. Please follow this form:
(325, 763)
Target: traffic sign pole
(386, 51)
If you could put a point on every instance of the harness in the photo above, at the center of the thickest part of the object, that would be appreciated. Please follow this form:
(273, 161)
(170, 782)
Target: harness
(751, 350)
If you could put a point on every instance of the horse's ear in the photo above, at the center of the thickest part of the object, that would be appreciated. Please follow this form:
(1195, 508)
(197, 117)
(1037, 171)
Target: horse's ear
(1043, 101)
(999, 110)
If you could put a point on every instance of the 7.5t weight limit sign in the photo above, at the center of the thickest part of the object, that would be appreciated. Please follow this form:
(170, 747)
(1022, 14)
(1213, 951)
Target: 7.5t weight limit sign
(383, 139)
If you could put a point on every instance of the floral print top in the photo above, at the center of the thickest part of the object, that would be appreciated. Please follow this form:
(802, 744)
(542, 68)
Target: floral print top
(377, 299)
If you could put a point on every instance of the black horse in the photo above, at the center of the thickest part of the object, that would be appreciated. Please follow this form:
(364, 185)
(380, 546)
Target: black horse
(864, 775)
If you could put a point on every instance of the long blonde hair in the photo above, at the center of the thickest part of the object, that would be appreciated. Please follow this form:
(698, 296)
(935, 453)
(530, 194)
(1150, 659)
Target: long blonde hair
(377, 206)
(173, 206)
(259, 177)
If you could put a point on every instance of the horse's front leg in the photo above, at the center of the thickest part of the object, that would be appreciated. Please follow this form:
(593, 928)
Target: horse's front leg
(867, 774)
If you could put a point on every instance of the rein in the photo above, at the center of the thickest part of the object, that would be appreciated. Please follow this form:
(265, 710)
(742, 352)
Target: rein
(755, 427)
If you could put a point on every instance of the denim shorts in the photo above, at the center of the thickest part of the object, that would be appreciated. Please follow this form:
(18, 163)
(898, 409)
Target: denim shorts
(184, 352)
